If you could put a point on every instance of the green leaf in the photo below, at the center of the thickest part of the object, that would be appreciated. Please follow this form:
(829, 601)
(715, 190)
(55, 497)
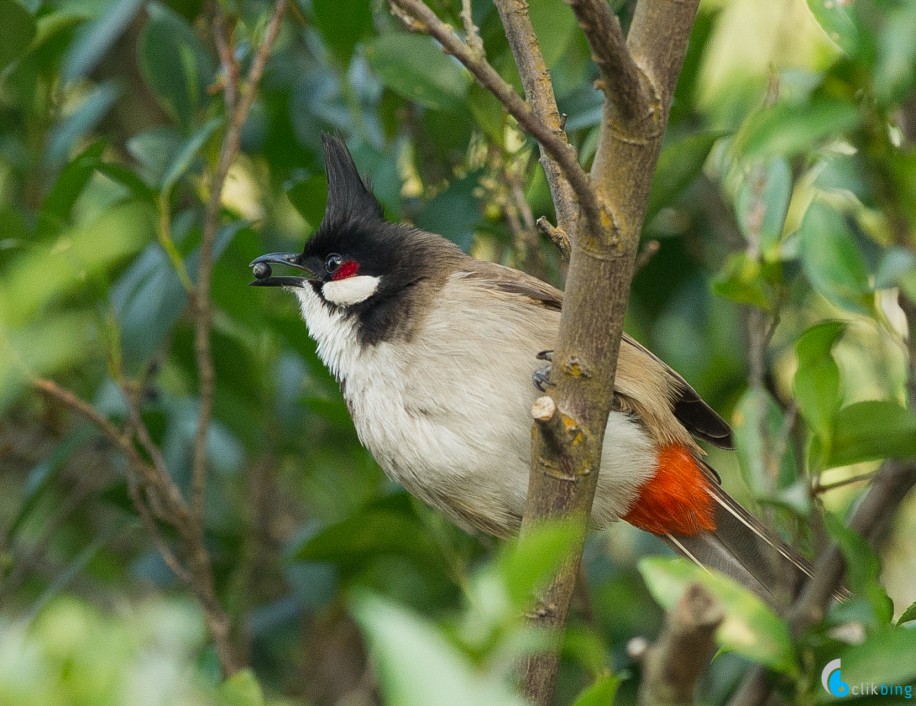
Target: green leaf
(816, 385)
(863, 569)
(417, 664)
(44, 472)
(601, 692)
(47, 346)
(241, 689)
(148, 299)
(343, 23)
(379, 529)
(908, 615)
(872, 430)
(56, 210)
(528, 563)
(73, 262)
(17, 30)
(129, 180)
(454, 212)
(750, 628)
(838, 20)
(487, 112)
(897, 266)
(416, 68)
(308, 196)
(181, 162)
(787, 129)
(896, 55)
(97, 37)
(884, 658)
(757, 418)
(832, 261)
(555, 25)
(762, 204)
(154, 150)
(174, 63)
(87, 115)
(742, 280)
(678, 165)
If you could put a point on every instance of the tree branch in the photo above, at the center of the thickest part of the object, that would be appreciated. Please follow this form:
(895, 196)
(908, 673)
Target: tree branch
(539, 94)
(238, 104)
(419, 18)
(597, 290)
(154, 494)
(197, 574)
(558, 236)
(871, 519)
(672, 666)
(566, 444)
(621, 79)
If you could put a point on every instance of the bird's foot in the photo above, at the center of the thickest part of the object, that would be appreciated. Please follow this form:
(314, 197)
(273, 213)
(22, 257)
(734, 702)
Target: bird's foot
(541, 376)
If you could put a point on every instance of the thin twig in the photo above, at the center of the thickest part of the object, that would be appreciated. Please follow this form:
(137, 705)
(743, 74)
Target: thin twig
(817, 487)
(225, 49)
(646, 254)
(672, 666)
(164, 235)
(871, 520)
(539, 93)
(471, 33)
(520, 218)
(131, 393)
(872, 517)
(557, 236)
(102, 423)
(621, 79)
(237, 107)
(176, 513)
(153, 532)
(418, 17)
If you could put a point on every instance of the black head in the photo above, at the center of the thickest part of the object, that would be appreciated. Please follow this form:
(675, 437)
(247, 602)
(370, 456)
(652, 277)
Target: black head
(357, 261)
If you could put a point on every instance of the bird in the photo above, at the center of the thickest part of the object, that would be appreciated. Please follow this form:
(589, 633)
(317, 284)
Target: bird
(439, 357)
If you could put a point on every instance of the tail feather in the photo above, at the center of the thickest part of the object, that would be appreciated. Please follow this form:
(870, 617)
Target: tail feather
(742, 548)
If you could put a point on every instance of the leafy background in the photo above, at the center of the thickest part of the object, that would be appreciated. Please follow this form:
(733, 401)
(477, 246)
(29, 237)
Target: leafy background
(783, 208)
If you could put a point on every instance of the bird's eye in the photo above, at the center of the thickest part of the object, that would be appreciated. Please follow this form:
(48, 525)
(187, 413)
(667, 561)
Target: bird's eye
(332, 264)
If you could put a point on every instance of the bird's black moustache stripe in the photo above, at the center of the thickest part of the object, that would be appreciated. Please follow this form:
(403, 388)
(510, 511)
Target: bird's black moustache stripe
(393, 314)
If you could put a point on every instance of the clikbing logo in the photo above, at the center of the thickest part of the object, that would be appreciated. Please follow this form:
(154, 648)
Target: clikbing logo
(832, 680)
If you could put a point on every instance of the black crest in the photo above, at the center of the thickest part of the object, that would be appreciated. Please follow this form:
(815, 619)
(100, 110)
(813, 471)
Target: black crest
(349, 198)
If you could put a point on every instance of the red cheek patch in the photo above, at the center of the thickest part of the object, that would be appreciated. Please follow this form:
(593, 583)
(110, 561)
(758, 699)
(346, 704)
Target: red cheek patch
(347, 269)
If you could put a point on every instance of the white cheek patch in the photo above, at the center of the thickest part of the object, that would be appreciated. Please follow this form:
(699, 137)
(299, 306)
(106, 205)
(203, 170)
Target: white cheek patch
(350, 291)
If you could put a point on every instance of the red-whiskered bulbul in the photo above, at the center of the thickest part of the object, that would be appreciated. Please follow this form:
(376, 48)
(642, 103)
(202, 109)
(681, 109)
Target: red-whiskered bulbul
(436, 353)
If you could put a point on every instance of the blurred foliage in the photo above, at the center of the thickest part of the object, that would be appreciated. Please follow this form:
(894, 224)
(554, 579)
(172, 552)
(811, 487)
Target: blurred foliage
(785, 199)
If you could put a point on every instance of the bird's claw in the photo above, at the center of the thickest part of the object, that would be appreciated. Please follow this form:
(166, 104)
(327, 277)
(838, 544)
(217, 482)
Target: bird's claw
(541, 376)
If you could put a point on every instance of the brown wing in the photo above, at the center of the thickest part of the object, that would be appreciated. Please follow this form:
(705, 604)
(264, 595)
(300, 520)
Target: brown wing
(509, 281)
(687, 406)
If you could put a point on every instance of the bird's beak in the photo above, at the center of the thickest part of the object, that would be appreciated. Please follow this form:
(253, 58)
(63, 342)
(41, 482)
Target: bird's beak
(262, 272)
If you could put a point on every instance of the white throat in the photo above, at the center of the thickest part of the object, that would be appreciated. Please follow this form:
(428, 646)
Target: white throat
(350, 291)
(332, 330)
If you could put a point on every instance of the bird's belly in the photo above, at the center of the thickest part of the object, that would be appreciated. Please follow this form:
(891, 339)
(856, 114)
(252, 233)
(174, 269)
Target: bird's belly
(471, 463)
(466, 451)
